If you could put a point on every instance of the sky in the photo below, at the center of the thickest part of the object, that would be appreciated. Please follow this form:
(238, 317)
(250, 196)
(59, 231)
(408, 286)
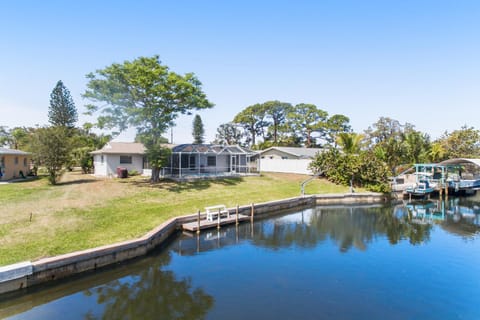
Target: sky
(416, 61)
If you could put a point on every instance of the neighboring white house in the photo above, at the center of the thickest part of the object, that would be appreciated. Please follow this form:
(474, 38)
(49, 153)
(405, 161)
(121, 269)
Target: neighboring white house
(127, 155)
(287, 159)
(186, 161)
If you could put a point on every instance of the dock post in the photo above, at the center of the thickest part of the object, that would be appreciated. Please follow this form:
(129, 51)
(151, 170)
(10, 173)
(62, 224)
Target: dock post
(198, 222)
(252, 212)
(218, 219)
(198, 242)
(236, 217)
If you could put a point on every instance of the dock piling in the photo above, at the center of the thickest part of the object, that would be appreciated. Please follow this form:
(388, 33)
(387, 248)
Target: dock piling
(198, 222)
(236, 216)
(218, 219)
(252, 212)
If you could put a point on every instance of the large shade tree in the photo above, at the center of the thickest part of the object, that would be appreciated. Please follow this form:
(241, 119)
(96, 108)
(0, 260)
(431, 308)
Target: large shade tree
(386, 138)
(462, 143)
(145, 94)
(277, 112)
(305, 119)
(229, 134)
(336, 125)
(253, 121)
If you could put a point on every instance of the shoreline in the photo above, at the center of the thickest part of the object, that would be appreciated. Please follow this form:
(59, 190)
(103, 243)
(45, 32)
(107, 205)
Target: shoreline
(25, 274)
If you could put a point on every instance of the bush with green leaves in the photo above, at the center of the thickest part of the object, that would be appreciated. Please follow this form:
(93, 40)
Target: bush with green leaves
(360, 170)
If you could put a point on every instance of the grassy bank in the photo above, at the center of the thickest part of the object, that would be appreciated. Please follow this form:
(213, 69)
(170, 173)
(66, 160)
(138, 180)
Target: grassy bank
(38, 220)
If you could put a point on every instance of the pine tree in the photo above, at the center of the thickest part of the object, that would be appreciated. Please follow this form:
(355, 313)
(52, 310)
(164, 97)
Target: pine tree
(198, 131)
(62, 111)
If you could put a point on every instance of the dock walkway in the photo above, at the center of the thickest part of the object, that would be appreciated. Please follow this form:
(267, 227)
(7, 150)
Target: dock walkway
(205, 224)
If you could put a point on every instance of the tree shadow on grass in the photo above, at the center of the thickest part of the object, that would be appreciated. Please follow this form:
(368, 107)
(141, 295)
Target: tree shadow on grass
(188, 185)
(73, 182)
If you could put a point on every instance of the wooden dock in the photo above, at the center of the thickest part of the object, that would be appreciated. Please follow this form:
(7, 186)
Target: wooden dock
(205, 224)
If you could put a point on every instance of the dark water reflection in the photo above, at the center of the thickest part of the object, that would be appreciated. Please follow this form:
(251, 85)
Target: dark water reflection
(416, 260)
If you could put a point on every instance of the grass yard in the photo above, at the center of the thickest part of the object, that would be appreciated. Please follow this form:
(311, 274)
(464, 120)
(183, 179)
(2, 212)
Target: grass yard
(38, 220)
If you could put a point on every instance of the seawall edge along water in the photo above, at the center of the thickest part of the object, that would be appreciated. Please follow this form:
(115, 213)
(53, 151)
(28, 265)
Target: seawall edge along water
(26, 274)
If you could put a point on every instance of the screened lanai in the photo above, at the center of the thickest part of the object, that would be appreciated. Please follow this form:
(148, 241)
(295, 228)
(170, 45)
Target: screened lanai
(206, 160)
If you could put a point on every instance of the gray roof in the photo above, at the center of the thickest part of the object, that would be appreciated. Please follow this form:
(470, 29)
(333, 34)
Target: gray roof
(460, 161)
(121, 148)
(13, 152)
(296, 151)
(139, 148)
(211, 149)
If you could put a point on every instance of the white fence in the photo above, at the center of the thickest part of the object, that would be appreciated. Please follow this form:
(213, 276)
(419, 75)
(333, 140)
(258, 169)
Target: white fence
(299, 166)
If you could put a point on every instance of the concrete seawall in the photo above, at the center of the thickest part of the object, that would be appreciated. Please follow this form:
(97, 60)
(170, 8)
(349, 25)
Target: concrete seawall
(26, 274)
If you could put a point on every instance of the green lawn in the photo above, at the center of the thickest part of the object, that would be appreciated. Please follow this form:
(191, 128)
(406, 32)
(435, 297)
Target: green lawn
(38, 220)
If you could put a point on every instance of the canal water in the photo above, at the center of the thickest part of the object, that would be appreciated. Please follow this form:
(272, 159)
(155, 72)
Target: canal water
(417, 260)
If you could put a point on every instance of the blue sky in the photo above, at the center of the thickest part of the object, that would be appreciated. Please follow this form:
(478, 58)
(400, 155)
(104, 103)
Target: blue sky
(414, 61)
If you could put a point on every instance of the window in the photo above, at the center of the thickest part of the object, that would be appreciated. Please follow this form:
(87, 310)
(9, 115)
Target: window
(101, 159)
(16, 160)
(2, 162)
(211, 161)
(126, 159)
(24, 162)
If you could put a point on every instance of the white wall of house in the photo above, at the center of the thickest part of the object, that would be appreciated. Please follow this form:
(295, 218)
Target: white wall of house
(108, 167)
(299, 166)
(99, 165)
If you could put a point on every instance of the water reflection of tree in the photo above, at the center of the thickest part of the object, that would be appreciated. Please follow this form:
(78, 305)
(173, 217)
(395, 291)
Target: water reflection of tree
(152, 293)
(348, 227)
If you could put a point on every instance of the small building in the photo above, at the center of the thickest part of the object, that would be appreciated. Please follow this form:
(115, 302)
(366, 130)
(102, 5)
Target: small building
(128, 155)
(186, 160)
(287, 159)
(14, 163)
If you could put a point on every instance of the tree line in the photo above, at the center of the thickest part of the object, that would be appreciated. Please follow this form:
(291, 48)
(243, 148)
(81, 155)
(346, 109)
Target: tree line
(277, 123)
(147, 95)
(365, 159)
(386, 149)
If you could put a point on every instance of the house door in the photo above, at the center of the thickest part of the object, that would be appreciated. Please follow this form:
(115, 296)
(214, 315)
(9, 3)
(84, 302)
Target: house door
(233, 163)
(192, 162)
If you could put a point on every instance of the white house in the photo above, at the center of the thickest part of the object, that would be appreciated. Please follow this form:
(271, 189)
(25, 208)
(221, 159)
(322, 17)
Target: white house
(186, 161)
(127, 155)
(197, 160)
(287, 159)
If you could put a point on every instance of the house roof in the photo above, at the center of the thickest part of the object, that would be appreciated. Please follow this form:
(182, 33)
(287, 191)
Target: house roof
(13, 152)
(210, 149)
(121, 148)
(139, 148)
(296, 151)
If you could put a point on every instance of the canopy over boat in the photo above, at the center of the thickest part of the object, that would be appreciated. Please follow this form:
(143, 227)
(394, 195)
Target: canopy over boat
(460, 161)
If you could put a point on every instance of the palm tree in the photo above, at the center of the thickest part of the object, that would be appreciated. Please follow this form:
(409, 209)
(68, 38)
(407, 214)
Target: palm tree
(437, 152)
(350, 142)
